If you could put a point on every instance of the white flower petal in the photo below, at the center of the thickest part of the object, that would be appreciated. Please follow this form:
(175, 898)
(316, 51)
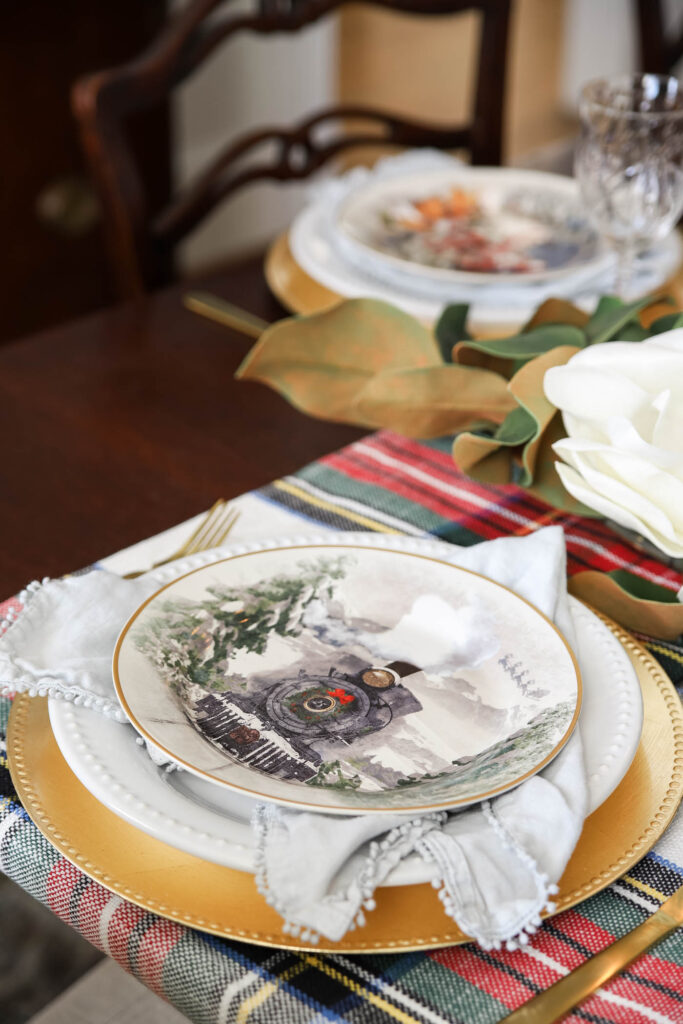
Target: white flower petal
(593, 393)
(580, 490)
(602, 475)
(587, 430)
(622, 436)
(653, 364)
(622, 406)
(662, 490)
(668, 430)
(672, 340)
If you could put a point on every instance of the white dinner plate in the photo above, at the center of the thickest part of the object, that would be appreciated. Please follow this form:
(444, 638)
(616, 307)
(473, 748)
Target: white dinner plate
(208, 821)
(490, 308)
(348, 677)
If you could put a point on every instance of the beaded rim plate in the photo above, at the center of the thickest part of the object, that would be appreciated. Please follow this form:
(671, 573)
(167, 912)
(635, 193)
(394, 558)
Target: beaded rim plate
(225, 902)
(348, 678)
(212, 822)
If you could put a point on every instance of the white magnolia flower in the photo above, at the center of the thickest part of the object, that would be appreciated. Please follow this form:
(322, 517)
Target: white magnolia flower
(622, 405)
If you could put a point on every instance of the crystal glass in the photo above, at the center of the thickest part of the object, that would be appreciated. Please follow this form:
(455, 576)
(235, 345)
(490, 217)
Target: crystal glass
(629, 162)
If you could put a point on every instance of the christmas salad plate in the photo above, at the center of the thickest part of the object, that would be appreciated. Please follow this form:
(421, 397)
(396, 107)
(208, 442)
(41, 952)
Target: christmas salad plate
(468, 225)
(348, 678)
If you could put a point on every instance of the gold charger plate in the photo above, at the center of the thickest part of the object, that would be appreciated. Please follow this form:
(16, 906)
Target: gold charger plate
(225, 902)
(296, 290)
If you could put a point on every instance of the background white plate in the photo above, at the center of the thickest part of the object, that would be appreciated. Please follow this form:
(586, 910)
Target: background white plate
(491, 307)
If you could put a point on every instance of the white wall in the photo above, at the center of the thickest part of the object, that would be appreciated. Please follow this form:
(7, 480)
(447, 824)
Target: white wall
(250, 82)
(601, 40)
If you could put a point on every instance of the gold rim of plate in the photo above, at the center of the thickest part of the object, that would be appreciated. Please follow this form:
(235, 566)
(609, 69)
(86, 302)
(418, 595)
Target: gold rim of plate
(225, 902)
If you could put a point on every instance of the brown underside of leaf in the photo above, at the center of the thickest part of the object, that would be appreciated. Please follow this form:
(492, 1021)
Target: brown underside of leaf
(664, 621)
(557, 311)
(492, 461)
(473, 454)
(433, 401)
(463, 355)
(319, 363)
(527, 387)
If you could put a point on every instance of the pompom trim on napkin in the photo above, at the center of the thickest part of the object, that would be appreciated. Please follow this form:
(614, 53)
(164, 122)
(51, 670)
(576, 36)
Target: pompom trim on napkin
(440, 849)
(383, 855)
(19, 619)
(426, 837)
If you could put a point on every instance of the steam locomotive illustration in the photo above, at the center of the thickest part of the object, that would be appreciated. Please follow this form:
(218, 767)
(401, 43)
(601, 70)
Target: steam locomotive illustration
(276, 729)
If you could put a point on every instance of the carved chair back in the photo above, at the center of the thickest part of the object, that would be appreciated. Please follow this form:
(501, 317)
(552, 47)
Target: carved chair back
(140, 242)
(660, 50)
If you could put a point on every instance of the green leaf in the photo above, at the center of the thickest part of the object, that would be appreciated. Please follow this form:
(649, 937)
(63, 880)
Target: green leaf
(644, 590)
(633, 332)
(666, 323)
(530, 344)
(451, 328)
(612, 315)
(518, 427)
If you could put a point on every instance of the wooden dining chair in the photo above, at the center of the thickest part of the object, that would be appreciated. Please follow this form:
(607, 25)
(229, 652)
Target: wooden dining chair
(660, 51)
(140, 242)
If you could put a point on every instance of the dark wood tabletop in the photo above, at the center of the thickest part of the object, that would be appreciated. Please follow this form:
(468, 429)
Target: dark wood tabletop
(119, 425)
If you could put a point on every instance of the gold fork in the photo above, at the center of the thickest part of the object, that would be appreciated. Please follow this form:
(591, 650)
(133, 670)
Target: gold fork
(211, 532)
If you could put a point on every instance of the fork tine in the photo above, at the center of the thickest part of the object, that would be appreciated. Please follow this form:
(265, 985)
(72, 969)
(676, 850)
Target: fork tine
(211, 532)
(222, 527)
(216, 530)
(197, 541)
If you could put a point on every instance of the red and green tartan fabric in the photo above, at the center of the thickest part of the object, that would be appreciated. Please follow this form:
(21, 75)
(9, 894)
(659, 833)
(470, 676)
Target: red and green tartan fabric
(384, 482)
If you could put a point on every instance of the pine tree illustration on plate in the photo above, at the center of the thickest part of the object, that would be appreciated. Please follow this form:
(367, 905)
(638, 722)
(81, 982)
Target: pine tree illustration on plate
(193, 642)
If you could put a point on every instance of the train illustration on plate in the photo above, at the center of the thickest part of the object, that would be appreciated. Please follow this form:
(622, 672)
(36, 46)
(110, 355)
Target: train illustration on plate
(277, 730)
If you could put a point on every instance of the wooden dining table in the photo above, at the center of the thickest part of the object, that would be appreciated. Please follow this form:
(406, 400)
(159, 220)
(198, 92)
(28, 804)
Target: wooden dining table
(126, 422)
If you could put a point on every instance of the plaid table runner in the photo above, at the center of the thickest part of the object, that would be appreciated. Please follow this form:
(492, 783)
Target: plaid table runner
(390, 484)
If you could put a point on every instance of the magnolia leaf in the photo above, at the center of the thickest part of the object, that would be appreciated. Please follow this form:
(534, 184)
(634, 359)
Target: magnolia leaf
(557, 311)
(491, 459)
(547, 485)
(612, 315)
(666, 323)
(524, 426)
(472, 448)
(633, 332)
(632, 601)
(433, 401)
(527, 387)
(320, 363)
(527, 345)
(451, 328)
(518, 427)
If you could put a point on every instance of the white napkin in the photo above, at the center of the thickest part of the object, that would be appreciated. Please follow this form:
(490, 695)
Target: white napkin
(496, 865)
(62, 642)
